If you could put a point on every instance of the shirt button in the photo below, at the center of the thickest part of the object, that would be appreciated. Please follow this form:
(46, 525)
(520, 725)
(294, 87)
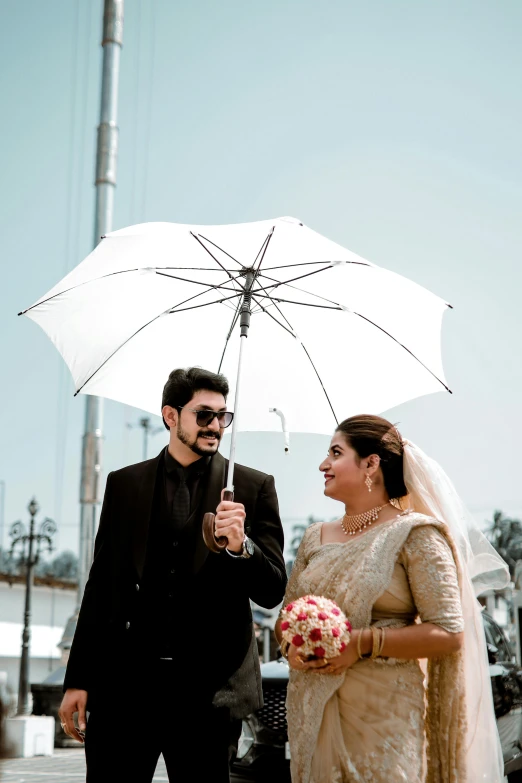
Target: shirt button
(127, 625)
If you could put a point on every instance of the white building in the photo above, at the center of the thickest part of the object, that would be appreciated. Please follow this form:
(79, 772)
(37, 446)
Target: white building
(52, 605)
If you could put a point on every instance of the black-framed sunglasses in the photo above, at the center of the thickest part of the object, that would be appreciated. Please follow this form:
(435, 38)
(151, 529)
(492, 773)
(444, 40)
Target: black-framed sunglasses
(203, 417)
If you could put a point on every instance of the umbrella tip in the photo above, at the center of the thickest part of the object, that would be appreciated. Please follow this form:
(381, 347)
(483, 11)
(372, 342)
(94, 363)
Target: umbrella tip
(21, 313)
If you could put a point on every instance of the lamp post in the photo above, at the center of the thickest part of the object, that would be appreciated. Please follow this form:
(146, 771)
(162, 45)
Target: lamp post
(148, 430)
(32, 542)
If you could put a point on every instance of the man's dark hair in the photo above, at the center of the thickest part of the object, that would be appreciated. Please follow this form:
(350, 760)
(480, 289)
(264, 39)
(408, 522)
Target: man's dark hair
(183, 384)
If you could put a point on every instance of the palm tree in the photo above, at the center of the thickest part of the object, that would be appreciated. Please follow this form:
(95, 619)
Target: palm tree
(506, 536)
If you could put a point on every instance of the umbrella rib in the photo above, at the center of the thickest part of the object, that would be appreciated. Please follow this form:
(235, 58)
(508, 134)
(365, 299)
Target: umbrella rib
(267, 312)
(211, 254)
(364, 318)
(221, 249)
(168, 311)
(321, 382)
(294, 335)
(121, 272)
(194, 268)
(286, 282)
(302, 304)
(405, 348)
(301, 290)
(234, 322)
(73, 287)
(303, 263)
(262, 250)
(197, 282)
(205, 304)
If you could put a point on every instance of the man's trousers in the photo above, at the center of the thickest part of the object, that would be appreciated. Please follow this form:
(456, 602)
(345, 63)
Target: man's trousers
(132, 725)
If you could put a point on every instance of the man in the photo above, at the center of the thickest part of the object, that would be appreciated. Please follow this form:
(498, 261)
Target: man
(164, 657)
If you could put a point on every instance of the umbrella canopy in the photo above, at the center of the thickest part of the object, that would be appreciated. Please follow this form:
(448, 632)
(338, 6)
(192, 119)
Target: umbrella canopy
(331, 334)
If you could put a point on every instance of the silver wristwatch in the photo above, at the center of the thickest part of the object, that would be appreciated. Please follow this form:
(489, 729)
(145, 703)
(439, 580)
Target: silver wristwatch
(246, 552)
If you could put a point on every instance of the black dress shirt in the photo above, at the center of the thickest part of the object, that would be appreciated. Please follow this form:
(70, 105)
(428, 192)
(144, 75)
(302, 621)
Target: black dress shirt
(193, 475)
(170, 547)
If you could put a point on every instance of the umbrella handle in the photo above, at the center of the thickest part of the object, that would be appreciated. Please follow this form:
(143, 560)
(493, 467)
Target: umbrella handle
(209, 532)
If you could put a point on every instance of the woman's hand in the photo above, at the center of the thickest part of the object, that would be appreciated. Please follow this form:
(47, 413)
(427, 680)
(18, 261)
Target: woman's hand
(336, 665)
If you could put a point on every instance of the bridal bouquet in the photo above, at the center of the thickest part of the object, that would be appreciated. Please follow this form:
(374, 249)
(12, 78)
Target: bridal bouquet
(316, 625)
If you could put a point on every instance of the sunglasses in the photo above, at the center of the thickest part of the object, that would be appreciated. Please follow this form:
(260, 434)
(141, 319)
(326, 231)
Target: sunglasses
(203, 418)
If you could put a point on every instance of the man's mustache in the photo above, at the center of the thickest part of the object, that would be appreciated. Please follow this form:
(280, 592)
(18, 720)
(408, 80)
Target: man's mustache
(216, 435)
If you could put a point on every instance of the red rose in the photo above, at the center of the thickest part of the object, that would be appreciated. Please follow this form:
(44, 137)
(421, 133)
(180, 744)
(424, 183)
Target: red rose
(316, 635)
(336, 612)
(348, 625)
(319, 652)
(302, 616)
(289, 608)
(322, 616)
(311, 601)
(343, 647)
(285, 625)
(298, 640)
(336, 632)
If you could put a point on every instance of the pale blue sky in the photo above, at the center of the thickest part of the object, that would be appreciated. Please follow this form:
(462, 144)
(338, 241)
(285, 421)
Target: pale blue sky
(392, 127)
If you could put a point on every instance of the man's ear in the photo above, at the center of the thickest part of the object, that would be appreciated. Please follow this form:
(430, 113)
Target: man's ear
(170, 416)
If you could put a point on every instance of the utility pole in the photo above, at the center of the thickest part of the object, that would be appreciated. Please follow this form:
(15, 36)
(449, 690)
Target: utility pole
(106, 157)
(148, 430)
(19, 535)
(2, 513)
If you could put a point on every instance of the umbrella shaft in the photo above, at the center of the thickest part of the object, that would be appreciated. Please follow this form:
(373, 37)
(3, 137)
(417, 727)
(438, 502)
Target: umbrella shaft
(232, 456)
(244, 323)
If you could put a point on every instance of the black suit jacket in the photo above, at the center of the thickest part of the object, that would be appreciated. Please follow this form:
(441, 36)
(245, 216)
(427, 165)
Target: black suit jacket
(220, 588)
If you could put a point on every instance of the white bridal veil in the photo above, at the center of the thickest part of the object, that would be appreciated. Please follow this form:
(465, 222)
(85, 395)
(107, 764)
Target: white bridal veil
(431, 492)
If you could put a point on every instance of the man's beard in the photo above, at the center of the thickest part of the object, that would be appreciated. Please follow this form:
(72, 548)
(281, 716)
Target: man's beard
(193, 444)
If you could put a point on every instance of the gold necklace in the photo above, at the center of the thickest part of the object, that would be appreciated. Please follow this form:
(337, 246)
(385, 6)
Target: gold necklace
(352, 524)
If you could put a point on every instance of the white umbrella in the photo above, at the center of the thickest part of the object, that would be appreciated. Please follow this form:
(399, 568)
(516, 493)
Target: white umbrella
(331, 334)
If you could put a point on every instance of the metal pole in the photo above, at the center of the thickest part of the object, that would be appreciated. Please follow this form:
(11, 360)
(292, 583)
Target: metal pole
(106, 156)
(266, 643)
(245, 325)
(23, 687)
(145, 423)
(2, 512)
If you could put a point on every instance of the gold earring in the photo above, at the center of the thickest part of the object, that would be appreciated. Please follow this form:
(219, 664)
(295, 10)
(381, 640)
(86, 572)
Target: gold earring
(368, 482)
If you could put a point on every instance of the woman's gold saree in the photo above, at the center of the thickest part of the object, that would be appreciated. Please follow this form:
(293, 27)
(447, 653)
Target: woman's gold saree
(377, 722)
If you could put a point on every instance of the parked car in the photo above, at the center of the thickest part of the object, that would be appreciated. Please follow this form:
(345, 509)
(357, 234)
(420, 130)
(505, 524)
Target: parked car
(263, 748)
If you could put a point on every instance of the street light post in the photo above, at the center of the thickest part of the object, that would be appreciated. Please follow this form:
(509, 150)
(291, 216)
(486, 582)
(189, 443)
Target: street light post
(33, 541)
(148, 429)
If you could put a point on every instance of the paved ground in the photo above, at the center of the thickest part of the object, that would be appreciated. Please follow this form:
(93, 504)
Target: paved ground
(66, 766)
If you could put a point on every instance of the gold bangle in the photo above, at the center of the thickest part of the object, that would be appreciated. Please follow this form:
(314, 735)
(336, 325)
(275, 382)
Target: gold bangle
(381, 646)
(359, 643)
(376, 639)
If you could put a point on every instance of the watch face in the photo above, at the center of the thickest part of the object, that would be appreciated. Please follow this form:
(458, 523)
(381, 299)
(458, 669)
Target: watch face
(249, 546)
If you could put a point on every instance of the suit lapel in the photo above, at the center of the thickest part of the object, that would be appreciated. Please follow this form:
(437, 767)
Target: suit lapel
(143, 511)
(211, 500)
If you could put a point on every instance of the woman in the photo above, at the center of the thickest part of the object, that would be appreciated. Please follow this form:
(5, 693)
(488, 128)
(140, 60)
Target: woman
(399, 564)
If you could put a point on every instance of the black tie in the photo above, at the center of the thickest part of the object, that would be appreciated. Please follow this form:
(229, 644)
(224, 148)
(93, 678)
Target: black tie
(181, 501)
